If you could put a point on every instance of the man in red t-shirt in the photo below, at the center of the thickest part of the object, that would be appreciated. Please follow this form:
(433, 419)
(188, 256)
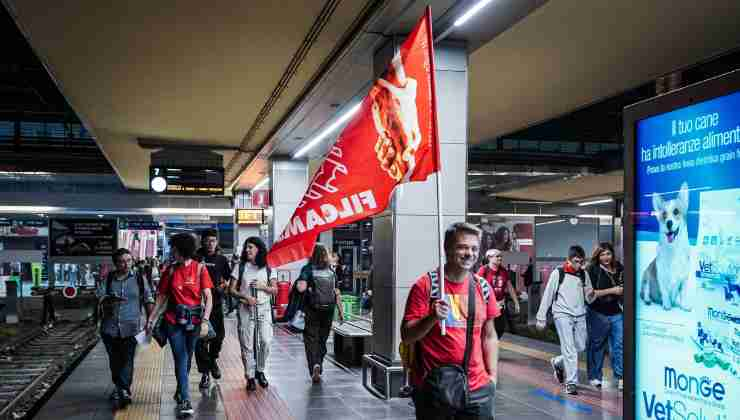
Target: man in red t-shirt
(497, 277)
(421, 325)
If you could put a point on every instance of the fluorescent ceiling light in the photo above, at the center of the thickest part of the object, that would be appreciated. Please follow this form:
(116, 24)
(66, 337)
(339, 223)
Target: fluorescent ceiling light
(550, 222)
(25, 173)
(471, 12)
(330, 129)
(595, 216)
(161, 210)
(476, 214)
(27, 209)
(591, 203)
(530, 202)
(262, 183)
(181, 211)
(524, 215)
(515, 173)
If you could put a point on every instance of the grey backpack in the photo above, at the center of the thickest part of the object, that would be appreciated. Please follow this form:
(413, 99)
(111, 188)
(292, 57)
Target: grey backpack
(323, 285)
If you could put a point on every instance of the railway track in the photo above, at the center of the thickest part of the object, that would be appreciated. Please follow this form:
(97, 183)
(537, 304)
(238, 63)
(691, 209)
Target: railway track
(33, 367)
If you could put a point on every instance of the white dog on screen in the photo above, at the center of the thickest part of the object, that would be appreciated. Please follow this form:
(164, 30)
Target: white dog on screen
(665, 281)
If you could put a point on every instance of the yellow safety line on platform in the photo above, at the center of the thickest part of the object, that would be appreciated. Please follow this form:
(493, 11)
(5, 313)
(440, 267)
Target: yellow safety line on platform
(543, 355)
(147, 386)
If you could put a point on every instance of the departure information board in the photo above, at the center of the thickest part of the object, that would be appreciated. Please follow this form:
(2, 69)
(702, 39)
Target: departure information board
(186, 181)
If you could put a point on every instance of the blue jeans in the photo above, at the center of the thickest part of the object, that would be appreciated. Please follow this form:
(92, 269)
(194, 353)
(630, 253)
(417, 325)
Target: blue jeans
(121, 353)
(603, 328)
(183, 345)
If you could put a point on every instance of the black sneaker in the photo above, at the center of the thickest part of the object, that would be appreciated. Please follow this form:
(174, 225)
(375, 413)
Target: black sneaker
(251, 385)
(115, 396)
(571, 389)
(205, 381)
(185, 408)
(215, 371)
(125, 397)
(262, 379)
(557, 371)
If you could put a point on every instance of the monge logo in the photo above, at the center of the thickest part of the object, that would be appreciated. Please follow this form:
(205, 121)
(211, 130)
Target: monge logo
(703, 387)
(719, 315)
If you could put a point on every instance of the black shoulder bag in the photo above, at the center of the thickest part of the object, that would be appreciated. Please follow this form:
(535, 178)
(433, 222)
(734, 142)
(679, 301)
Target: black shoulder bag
(447, 385)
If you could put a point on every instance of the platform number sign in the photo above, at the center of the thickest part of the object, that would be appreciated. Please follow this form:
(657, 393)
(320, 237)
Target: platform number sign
(186, 181)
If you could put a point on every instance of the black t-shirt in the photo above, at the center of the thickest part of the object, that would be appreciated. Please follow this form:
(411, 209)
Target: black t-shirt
(219, 269)
(600, 280)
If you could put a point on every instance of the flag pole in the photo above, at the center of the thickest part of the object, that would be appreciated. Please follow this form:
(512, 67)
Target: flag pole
(437, 156)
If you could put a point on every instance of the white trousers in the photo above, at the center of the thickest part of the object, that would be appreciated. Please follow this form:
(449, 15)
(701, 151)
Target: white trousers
(573, 335)
(247, 326)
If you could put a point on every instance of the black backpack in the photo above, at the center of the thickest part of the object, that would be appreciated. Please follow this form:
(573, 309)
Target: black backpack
(322, 289)
(561, 276)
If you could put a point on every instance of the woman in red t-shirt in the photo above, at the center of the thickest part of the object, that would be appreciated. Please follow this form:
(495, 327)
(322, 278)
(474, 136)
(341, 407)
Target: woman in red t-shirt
(497, 277)
(184, 296)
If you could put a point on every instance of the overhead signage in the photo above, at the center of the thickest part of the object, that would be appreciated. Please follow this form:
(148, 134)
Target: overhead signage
(249, 216)
(186, 181)
(82, 237)
(140, 225)
(686, 296)
(23, 228)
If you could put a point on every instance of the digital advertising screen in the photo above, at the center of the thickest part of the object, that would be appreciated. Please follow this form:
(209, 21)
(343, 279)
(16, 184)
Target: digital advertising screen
(686, 257)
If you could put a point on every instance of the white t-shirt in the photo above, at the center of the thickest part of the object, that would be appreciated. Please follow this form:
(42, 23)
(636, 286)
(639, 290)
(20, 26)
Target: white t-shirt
(252, 274)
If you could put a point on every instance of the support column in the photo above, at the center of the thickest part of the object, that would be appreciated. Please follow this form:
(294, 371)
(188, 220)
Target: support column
(289, 180)
(405, 238)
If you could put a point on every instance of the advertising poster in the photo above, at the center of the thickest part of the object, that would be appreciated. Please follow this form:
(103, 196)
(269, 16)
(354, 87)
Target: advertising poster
(23, 228)
(687, 261)
(82, 237)
(141, 243)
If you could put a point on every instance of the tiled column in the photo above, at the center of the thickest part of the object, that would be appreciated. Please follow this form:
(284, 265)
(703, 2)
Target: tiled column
(405, 238)
(289, 180)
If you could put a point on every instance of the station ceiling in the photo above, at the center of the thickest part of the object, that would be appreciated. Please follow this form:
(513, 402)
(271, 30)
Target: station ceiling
(204, 73)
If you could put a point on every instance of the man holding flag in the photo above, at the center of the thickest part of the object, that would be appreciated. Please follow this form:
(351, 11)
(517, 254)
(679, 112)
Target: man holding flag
(391, 140)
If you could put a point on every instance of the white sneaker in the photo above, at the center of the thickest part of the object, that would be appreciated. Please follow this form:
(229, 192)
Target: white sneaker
(595, 383)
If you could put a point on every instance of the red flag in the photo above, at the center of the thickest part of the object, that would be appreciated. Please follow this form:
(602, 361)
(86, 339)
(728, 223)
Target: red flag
(391, 140)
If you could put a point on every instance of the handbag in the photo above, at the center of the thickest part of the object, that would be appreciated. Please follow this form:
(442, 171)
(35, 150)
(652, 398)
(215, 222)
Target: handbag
(159, 332)
(299, 320)
(447, 385)
(211, 332)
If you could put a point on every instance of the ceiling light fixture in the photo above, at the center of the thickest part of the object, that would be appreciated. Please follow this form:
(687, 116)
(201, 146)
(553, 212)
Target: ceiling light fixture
(524, 215)
(330, 129)
(27, 209)
(595, 216)
(550, 222)
(591, 203)
(471, 12)
(18, 173)
(262, 183)
(200, 212)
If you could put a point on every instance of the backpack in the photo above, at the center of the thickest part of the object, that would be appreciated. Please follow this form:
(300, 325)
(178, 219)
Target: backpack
(322, 290)
(139, 280)
(109, 285)
(408, 352)
(242, 266)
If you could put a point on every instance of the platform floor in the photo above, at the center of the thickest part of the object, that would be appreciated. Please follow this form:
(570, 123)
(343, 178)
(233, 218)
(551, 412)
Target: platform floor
(526, 390)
